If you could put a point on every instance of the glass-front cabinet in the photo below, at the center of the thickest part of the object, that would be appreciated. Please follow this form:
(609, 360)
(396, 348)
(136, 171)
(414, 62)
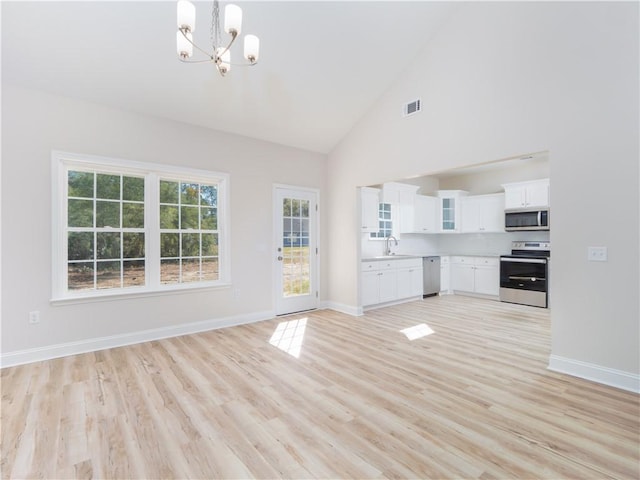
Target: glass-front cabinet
(450, 209)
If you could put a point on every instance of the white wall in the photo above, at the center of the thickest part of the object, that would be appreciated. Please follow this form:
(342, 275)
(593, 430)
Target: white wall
(34, 123)
(507, 78)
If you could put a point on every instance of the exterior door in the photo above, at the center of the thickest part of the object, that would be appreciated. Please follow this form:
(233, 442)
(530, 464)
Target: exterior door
(296, 249)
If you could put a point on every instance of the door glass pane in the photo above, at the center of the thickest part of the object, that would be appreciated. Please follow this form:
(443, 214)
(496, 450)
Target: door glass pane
(295, 247)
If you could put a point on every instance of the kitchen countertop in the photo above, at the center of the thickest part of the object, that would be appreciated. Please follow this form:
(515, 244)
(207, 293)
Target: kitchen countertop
(399, 256)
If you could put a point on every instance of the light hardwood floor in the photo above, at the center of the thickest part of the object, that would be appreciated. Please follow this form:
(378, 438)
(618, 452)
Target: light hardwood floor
(471, 400)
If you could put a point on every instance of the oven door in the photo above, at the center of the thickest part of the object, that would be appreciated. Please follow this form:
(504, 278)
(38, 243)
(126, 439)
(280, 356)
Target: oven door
(524, 281)
(523, 273)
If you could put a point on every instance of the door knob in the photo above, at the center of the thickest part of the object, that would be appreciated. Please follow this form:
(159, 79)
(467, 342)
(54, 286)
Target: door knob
(280, 258)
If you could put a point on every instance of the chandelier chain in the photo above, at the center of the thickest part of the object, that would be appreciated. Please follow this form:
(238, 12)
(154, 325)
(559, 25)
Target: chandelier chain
(215, 25)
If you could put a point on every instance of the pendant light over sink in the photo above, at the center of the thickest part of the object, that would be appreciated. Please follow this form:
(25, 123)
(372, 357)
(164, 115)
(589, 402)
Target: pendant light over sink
(218, 54)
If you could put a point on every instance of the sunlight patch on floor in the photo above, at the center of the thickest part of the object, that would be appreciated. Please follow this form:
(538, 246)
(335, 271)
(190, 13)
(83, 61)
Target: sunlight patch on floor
(288, 336)
(417, 331)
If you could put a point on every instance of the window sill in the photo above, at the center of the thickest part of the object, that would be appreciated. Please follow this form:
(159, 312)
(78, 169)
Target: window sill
(117, 296)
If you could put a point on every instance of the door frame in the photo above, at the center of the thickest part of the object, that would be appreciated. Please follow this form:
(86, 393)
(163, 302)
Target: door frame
(277, 227)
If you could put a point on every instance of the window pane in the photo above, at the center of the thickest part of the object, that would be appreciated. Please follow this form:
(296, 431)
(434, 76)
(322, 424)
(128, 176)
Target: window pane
(295, 208)
(209, 218)
(108, 186)
(169, 245)
(80, 184)
(170, 271)
(168, 217)
(209, 195)
(191, 270)
(209, 244)
(133, 273)
(286, 229)
(190, 244)
(189, 193)
(133, 215)
(168, 192)
(108, 214)
(286, 207)
(209, 269)
(108, 245)
(80, 213)
(108, 275)
(133, 245)
(80, 276)
(295, 226)
(304, 208)
(80, 246)
(133, 189)
(304, 227)
(189, 217)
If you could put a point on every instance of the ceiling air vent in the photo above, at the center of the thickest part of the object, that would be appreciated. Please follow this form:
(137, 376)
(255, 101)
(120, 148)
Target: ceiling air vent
(412, 107)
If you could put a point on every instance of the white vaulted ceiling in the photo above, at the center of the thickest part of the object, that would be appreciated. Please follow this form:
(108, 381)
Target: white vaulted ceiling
(322, 64)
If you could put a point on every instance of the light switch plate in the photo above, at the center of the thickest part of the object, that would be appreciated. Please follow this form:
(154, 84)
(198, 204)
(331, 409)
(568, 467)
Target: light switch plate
(597, 254)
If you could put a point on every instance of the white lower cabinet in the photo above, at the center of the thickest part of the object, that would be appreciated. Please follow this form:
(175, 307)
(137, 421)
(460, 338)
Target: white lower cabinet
(409, 280)
(477, 275)
(445, 275)
(385, 281)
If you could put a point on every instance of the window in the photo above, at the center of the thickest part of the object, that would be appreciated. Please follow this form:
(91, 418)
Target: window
(188, 232)
(105, 230)
(124, 227)
(384, 221)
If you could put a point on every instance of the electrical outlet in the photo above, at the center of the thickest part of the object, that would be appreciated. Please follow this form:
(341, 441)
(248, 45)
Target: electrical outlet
(34, 317)
(597, 254)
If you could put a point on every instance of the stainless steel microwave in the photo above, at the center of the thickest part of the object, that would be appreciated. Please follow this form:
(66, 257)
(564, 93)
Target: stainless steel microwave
(519, 219)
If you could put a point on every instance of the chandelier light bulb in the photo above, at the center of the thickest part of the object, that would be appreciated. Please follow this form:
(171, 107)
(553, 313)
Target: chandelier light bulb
(232, 19)
(185, 47)
(224, 60)
(186, 15)
(251, 48)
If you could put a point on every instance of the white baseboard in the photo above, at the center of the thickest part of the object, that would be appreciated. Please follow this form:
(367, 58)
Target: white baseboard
(589, 371)
(30, 355)
(342, 308)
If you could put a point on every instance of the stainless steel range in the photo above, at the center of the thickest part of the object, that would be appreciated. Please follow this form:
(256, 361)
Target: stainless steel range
(524, 275)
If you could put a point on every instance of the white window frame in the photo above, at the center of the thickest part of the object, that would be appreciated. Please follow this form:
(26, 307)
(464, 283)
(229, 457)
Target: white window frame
(62, 162)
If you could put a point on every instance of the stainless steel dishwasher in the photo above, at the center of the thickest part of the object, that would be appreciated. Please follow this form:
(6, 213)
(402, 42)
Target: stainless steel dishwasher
(430, 276)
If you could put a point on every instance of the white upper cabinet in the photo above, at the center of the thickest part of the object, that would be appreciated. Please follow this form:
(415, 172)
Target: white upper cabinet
(369, 200)
(416, 213)
(531, 194)
(426, 214)
(449, 210)
(482, 213)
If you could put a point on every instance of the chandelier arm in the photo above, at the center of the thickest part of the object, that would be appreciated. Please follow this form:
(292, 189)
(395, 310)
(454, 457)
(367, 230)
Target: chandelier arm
(208, 60)
(211, 57)
(234, 35)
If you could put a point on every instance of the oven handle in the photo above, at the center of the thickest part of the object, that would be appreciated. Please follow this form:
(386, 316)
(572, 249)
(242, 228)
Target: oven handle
(533, 279)
(524, 260)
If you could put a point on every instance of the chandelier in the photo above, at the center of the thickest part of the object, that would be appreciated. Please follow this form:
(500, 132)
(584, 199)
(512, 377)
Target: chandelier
(219, 54)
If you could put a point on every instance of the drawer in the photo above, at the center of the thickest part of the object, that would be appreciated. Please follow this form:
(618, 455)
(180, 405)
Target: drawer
(409, 263)
(487, 261)
(370, 266)
(444, 260)
(461, 260)
(387, 264)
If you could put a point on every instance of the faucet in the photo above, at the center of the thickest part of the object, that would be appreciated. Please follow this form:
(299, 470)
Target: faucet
(387, 247)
